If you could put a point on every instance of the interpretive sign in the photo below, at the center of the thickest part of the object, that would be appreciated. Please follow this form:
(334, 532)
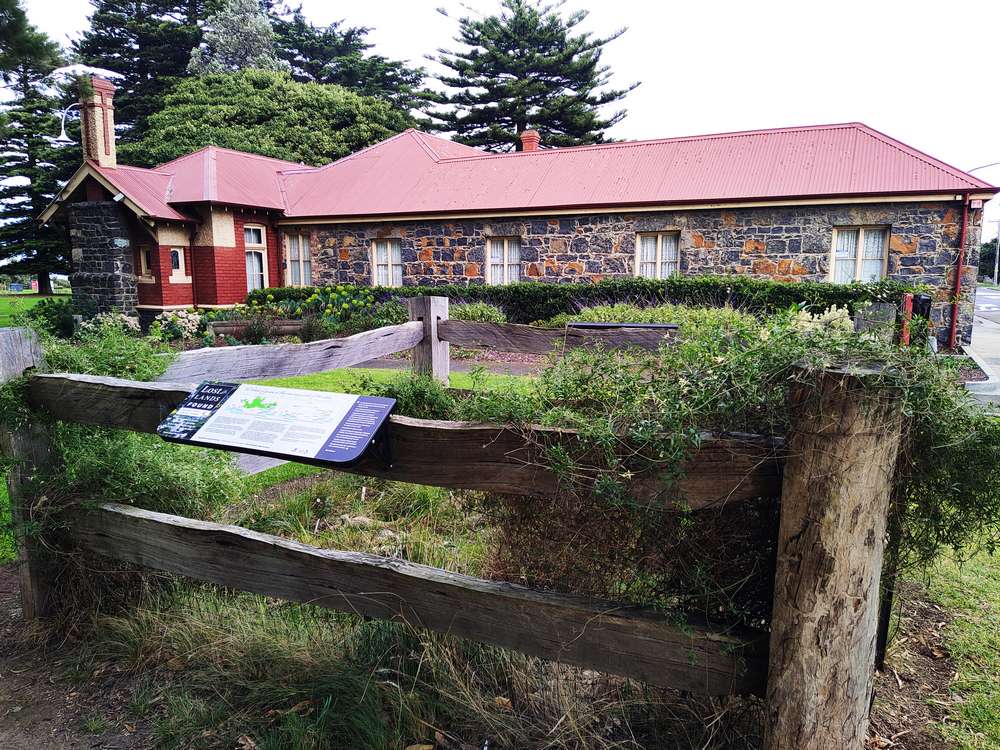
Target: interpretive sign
(317, 426)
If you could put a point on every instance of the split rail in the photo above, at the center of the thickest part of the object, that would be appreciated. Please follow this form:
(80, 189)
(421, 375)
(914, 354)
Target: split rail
(833, 475)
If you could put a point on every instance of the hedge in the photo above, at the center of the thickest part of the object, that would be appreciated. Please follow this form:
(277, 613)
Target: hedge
(527, 302)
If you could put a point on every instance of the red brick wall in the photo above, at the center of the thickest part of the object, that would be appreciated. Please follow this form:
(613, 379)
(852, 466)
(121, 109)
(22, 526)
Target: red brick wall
(203, 273)
(164, 292)
(174, 293)
(275, 254)
(219, 273)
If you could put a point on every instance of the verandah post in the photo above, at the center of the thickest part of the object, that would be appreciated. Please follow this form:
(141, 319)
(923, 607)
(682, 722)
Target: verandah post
(431, 356)
(29, 448)
(842, 447)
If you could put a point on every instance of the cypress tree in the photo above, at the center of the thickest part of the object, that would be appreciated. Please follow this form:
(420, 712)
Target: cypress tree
(237, 37)
(149, 43)
(32, 166)
(527, 68)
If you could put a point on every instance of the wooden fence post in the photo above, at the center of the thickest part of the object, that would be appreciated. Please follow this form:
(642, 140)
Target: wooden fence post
(431, 356)
(842, 449)
(29, 448)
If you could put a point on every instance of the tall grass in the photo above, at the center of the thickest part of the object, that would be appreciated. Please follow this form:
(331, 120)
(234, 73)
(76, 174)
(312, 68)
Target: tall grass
(7, 550)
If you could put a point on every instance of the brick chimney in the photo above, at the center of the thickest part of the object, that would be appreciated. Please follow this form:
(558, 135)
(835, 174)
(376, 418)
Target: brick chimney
(530, 140)
(97, 122)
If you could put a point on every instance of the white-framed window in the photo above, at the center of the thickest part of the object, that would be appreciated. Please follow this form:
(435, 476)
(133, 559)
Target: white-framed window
(503, 260)
(657, 254)
(255, 247)
(178, 269)
(387, 263)
(146, 264)
(298, 259)
(859, 254)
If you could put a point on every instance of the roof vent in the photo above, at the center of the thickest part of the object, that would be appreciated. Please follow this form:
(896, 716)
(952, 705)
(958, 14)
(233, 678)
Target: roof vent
(530, 140)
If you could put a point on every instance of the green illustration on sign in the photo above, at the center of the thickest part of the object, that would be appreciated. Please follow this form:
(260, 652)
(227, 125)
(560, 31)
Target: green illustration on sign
(259, 403)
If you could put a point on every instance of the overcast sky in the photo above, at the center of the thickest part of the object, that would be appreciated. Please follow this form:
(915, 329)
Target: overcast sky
(923, 72)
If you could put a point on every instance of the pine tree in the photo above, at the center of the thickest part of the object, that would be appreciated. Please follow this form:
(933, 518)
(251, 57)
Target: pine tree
(149, 43)
(525, 68)
(339, 55)
(33, 168)
(239, 36)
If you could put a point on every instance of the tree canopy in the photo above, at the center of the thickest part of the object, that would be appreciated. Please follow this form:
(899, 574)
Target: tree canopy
(340, 55)
(238, 36)
(525, 67)
(148, 42)
(268, 113)
(32, 166)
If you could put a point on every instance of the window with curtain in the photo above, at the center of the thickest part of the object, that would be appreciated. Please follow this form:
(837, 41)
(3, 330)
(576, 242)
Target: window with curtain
(255, 246)
(859, 254)
(657, 255)
(298, 260)
(387, 263)
(503, 264)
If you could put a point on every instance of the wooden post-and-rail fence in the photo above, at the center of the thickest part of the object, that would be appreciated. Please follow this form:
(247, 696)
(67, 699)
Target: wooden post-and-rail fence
(833, 473)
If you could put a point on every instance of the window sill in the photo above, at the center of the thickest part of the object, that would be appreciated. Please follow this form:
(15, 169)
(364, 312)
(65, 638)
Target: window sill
(180, 279)
(145, 279)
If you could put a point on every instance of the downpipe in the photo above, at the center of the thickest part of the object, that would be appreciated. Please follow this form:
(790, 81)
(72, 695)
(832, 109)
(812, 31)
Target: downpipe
(959, 271)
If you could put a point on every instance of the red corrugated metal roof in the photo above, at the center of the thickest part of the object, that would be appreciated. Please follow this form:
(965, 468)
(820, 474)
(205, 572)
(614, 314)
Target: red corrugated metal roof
(415, 173)
(221, 175)
(827, 160)
(145, 187)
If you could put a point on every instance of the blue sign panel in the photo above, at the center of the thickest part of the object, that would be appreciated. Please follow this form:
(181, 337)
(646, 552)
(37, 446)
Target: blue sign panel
(311, 426)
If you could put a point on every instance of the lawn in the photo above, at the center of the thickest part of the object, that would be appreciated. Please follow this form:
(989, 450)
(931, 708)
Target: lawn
(15, 303)
(971, 592)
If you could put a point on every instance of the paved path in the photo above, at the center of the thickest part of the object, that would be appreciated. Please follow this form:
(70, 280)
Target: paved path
(985, 347)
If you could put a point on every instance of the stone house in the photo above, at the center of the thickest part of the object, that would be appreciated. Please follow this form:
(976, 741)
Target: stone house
(828, 203)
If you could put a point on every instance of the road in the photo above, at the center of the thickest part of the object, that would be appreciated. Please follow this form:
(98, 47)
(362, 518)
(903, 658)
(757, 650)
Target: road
(988, 304)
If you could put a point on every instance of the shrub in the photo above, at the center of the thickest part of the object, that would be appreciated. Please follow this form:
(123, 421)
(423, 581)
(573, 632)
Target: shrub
(116, 466)
(314, 328)
(693, 321)
(174, 325)
(478, 312)
(111, 349)
(389, 313)
(51, 316)
(111, 321)
(529, 301)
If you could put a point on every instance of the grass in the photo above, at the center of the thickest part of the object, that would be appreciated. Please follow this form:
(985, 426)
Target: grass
(6, 537)
(15, 303)
(345, 380)
(971, 592)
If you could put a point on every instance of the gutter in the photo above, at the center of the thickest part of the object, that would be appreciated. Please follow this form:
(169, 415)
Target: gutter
(959, 271)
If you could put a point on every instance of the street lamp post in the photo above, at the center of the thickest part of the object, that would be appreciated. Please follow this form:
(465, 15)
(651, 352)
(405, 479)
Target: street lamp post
(63, 137)
(996, 253)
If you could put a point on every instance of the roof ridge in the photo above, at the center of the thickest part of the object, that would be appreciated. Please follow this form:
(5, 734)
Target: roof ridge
(352, 155)
(654, 141)
(210, 147)
(923, 156)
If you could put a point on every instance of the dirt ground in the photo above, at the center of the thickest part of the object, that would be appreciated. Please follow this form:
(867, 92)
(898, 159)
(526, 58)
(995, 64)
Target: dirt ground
(46, 705)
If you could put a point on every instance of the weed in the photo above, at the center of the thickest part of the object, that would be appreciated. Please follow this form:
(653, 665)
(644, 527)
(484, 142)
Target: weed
(96, 725)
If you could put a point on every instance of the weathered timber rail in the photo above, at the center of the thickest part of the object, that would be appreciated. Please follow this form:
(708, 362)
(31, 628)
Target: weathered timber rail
(461, 455)
(816, 670)
(571, 629)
